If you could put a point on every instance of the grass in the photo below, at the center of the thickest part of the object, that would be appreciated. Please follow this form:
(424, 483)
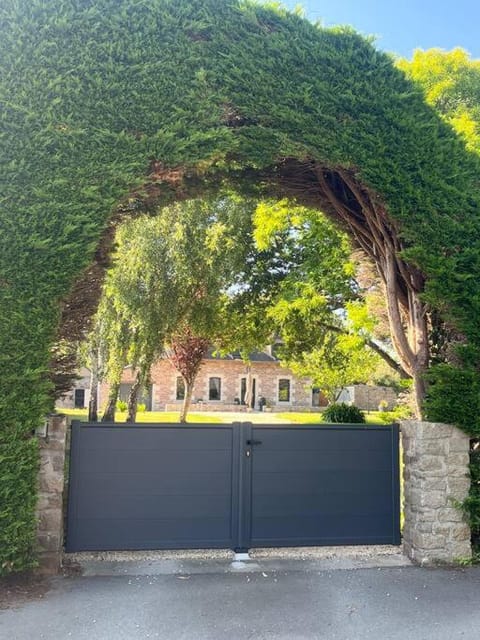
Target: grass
(372, 417)
(300, 417)
(146, 416)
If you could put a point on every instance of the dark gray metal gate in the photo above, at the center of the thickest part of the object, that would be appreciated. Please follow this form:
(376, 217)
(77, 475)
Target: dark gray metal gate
(232, 486)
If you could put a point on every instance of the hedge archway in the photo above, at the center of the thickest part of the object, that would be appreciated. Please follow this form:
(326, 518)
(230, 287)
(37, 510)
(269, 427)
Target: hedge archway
(109, 107)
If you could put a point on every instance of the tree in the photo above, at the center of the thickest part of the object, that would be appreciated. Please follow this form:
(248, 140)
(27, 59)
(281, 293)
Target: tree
(317, 309)
(168, 285)
(451, 82)
(186, 352)
(339, 359)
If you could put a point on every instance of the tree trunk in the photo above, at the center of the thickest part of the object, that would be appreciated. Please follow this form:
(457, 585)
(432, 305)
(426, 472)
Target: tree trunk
(186, 401)
(133, 399)
(419, 390)
(93, 401)
(411, 345)
(109, 414)
(377, 235)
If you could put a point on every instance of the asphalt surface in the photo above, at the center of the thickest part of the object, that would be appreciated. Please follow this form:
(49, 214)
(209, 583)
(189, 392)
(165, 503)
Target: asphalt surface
(258, 600)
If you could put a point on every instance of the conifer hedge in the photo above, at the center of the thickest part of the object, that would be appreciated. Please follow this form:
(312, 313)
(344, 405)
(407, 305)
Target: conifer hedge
(102, 98)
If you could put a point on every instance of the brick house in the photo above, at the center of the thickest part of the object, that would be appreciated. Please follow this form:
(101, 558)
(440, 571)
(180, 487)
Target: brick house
(221, 385)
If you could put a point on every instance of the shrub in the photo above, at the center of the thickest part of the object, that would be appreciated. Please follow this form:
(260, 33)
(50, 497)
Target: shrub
(19, 464)
(342, 412)
(122, 405)
(141, 407)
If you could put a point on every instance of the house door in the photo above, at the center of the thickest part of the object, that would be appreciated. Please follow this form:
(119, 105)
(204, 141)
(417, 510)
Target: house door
(243, 392)
(79, 399)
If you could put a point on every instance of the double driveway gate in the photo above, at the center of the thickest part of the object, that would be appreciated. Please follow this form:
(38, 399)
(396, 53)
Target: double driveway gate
(150, 486)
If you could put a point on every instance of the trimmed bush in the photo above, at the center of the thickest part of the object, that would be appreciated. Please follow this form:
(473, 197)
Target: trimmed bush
(109, 107)
(346, 413)
(18, 480)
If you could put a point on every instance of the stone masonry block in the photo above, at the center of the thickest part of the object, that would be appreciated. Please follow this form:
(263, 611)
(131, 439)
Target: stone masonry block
(436, 477)
(458, 461)
(434, 484)
(49, 542)
(50, 520)
(451, 514)
(458, 488)
(430, 463)
(428, 541)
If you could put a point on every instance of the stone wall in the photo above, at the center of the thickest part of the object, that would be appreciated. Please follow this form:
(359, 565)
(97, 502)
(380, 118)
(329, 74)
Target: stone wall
(436, 480)
(368, 397)
(50, 495)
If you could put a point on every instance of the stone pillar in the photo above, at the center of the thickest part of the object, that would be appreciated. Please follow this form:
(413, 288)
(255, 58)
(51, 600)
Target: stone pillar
(436, 480)
(50, 495)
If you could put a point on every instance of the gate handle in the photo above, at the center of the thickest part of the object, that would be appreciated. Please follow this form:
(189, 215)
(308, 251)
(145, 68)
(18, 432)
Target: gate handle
(252, 442)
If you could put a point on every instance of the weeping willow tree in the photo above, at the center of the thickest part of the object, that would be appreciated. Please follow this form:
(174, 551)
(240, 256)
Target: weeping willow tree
(114, 107)
(164, 294)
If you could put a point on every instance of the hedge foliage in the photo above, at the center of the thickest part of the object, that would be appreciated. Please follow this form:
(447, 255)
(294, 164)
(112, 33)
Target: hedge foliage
(92, 91)
(18, 478)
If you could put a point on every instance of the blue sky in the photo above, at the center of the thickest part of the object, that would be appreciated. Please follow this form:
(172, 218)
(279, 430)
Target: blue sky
(404, 25)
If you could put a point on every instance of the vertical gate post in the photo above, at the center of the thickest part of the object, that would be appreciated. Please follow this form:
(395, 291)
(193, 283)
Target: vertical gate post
(436, 481)
(244, 487)
(50, 494)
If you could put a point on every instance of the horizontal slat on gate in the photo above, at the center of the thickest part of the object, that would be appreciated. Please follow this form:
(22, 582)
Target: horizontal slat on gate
(146, 487)
(319, 482)
(324, 438)
(178, 483)
(166, 461)
(181, 438)
(133, 533)
(307, 460)
(323, 485)
(147, 506)
(315, 505)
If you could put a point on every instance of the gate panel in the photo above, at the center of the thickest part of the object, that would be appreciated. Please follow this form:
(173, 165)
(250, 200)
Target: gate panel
(152, 487)
(232, 486)
(321, 485)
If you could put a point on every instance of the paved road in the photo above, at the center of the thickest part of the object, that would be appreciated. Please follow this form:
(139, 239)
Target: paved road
(257, 601)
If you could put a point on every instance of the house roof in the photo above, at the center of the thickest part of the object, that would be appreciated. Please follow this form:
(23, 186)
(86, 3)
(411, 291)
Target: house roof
(254, 356)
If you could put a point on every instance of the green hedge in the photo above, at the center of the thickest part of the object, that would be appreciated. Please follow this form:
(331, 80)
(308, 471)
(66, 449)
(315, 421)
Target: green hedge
(18, 479)
(91, 92)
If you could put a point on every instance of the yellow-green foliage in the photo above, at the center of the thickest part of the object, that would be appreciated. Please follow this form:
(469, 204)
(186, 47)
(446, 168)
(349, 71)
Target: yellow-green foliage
(92, 90)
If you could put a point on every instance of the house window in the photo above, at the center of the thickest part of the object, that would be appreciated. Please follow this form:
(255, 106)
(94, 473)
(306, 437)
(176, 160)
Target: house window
(214, 388)
(284, 390)
(79, 399)
(180, 389)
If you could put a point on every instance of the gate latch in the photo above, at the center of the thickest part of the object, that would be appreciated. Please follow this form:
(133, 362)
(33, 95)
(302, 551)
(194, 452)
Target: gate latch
(253, 442)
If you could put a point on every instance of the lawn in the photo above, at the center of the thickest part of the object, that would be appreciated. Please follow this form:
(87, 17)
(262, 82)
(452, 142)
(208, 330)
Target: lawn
(372, 417)
(146, 416)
